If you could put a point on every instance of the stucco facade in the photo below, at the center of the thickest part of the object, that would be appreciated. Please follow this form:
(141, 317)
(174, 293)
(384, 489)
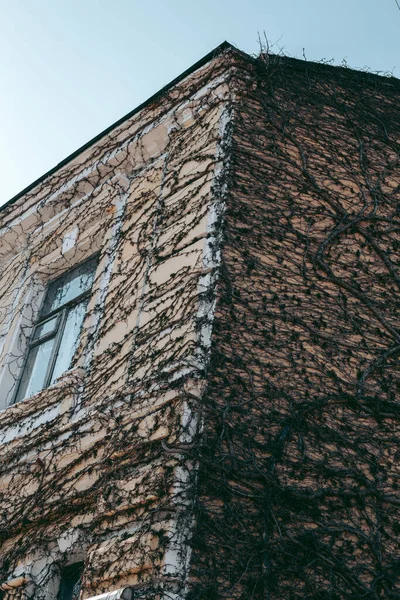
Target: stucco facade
(90, 466)
(229, 424)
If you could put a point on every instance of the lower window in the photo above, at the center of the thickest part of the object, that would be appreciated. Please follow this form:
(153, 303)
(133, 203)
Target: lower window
(70, 582)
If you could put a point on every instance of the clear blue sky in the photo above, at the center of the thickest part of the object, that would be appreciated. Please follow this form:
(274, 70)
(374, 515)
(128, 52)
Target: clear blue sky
(70, 68)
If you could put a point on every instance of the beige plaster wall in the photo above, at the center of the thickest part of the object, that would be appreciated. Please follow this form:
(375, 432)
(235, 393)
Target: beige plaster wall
(84, 472)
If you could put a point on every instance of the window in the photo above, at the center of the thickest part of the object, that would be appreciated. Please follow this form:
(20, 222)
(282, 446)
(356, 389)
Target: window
(55, 336)
(70, 582)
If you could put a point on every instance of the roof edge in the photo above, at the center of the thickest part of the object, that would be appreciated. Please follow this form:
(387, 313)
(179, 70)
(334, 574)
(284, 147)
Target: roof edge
(290, 61)
(197, 65)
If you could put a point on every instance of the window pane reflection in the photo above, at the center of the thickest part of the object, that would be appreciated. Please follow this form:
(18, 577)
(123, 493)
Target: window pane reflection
(69, 286)
(34, 376)
(70, 339)
(47, 327)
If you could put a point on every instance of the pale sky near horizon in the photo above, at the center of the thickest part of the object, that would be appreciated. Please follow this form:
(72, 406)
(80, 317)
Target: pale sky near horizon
(70, 68)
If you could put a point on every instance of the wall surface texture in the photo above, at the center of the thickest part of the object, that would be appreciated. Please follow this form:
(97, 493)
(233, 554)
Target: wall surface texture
(93, 467)
(229, 427)
(300, 459)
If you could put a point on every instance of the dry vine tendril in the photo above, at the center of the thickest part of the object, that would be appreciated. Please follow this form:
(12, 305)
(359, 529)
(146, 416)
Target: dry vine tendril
(272, 453)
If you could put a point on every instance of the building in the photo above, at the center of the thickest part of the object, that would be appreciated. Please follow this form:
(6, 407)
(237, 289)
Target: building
(200, 343)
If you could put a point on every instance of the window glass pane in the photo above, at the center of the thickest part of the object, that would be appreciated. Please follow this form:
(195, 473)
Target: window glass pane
(70, 339)
(45, 328)
(69, 286)
(33, 379)
(70, 584)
